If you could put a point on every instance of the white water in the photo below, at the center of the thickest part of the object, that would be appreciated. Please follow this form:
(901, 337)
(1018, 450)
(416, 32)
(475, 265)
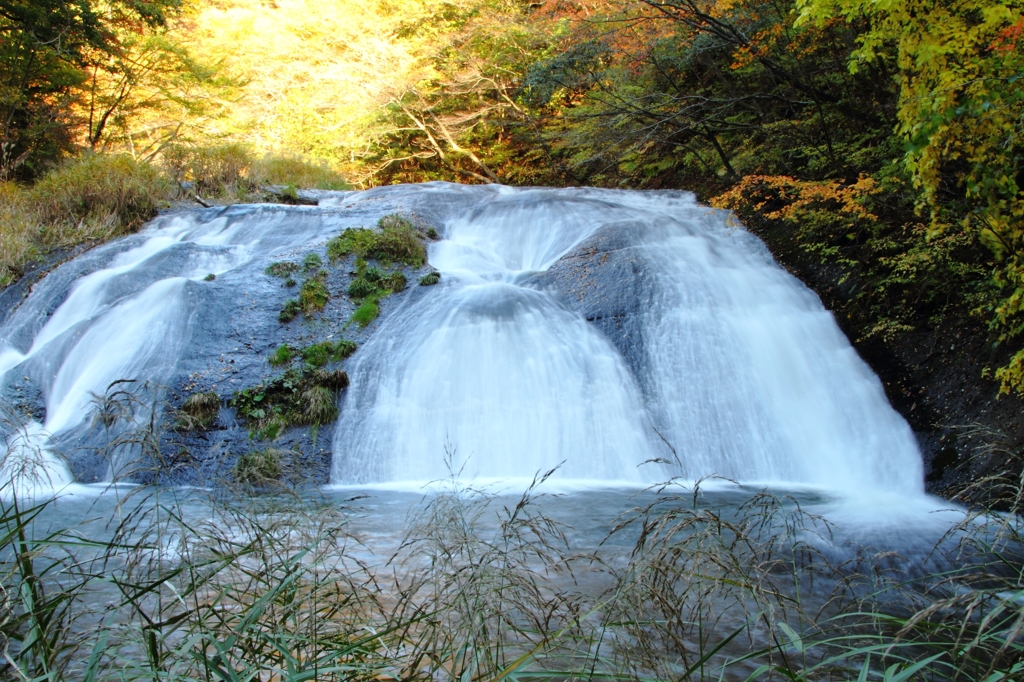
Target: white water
(747, 376)
(744, 374)
(123, 311)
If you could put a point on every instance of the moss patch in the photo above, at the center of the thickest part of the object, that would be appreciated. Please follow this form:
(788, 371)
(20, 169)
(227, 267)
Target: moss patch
(396, 241)
(289, 400)
(313, 295)
(430, 279)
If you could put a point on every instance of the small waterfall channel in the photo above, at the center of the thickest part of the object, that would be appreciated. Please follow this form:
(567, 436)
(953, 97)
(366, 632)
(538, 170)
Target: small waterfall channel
(624, 337)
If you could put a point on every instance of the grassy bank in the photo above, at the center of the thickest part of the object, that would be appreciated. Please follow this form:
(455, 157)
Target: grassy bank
(94, 198)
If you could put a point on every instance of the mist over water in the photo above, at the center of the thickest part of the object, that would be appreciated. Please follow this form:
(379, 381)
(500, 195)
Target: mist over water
(740, 371)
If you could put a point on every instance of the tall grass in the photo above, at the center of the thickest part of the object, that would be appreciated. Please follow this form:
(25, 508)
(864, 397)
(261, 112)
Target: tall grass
(234, 172)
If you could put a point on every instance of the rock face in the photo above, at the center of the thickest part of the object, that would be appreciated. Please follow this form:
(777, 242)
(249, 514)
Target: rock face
(222, 343)
(605, 279)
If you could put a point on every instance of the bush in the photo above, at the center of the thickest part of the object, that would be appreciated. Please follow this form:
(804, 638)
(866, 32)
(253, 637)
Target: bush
(219, 170)
(361, 288)
(319, 354)
(311, 262)
(281, 269)
(394, 282)
(89, 198)
(286, 400)
(321, 404)
(295, 172)
(106, 195)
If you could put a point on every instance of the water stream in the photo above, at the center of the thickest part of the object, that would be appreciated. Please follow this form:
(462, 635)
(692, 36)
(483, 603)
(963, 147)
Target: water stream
(737, 370)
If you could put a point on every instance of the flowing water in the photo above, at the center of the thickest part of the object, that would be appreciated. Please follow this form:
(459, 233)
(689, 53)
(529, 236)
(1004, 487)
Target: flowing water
(739, 371)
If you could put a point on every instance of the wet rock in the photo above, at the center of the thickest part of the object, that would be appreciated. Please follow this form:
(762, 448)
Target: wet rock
(605, 279)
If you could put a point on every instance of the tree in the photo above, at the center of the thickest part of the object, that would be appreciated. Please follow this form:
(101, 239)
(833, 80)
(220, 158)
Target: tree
(46, 50)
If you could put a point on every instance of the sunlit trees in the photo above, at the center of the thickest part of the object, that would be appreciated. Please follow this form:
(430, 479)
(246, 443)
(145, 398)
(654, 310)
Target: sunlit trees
(47, 49)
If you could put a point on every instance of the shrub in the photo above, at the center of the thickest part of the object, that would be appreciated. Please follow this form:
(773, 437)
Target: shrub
(311, 262)
(430, 279)
(334, 379)
(313, 295)
(199, 411)
(20, 232)
(290, 311)
(218, 170)
(319, 354)
(282, 356)
(258, 466)
(285, 401)
(394, 282)
(104, 195)
(320, 405)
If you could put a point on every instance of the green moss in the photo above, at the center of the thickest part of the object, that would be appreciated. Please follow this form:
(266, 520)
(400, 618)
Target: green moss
(394, 282)
(319, 354)
(290, 282)
(361, 288)
(367, 312)
(313, 295)
(282, 356)
(430, 279)
(432, 233)
(311, 262)
(210, 277)
(396, 241)
(258, 466)
(199, 411)
(281, 269)
(290, 311)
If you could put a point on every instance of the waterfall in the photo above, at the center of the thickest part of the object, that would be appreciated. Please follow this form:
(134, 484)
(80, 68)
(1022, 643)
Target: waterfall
(732, 367)
(742, 373)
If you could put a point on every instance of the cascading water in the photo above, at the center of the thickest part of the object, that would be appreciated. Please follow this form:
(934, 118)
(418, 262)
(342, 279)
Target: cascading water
(742, 373)
(732, 368)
